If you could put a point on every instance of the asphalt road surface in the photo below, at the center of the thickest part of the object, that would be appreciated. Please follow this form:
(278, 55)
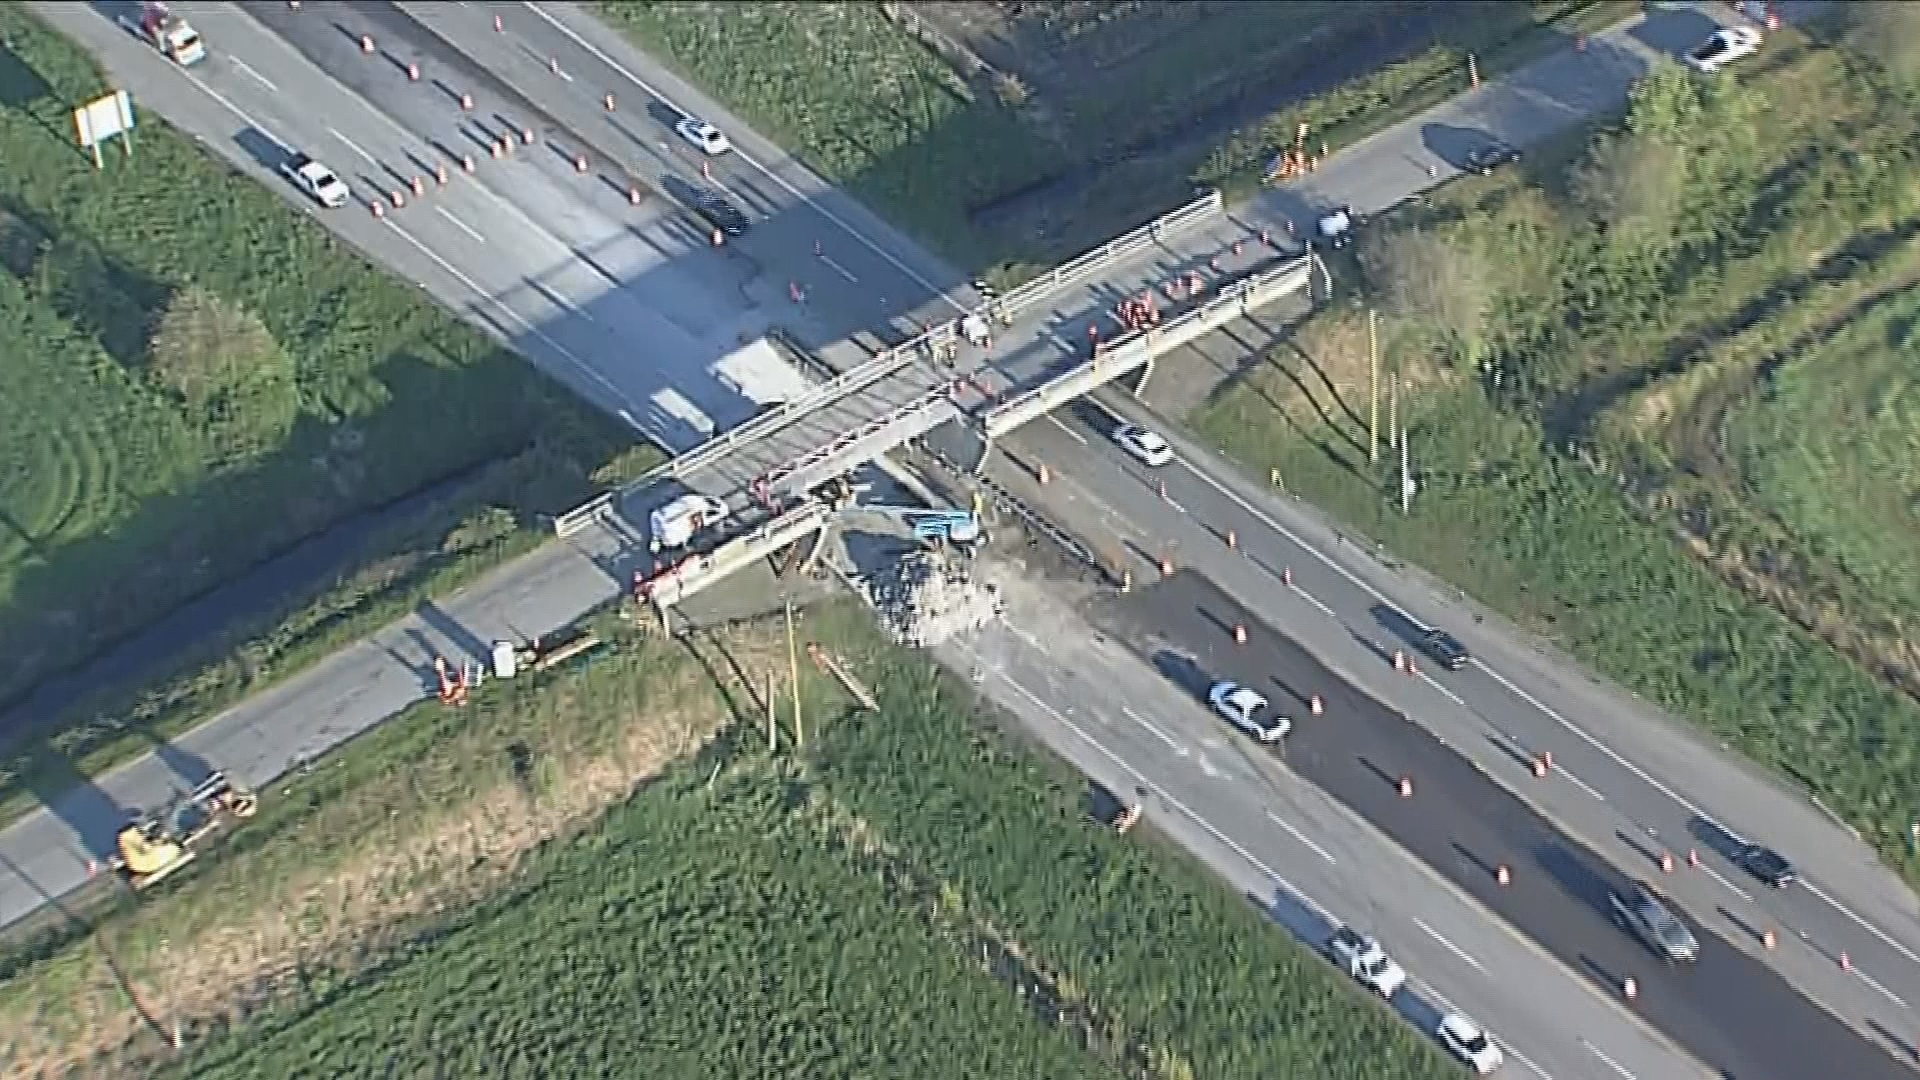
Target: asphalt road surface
(269, 734)
(1295, 851)
(1731, 1010)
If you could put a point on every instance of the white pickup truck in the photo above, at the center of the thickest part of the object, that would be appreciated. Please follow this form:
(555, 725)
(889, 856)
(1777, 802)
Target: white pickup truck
(1364, 959)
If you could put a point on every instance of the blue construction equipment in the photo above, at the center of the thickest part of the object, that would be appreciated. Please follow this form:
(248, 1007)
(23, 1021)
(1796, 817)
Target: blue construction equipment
(953, 526)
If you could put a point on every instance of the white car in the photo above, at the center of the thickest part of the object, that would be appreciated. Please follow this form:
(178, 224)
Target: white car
(1727, 44)
(1470, 1044)
(1146, 447)
(1368, 963)
(318, 181)
(1245, 709)
(711, 140)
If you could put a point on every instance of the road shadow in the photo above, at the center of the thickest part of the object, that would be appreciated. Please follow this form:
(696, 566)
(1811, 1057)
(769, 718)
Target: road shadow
(73, 798)
(1715, 837)
(1300, 920)
(466, 641)
(664, 114)
(1672, 30)
(1182, 671)
(1906, 1047)
(1453, 144)
(1574, 876)
(263, 148)
(189, 769)
(1395, 622)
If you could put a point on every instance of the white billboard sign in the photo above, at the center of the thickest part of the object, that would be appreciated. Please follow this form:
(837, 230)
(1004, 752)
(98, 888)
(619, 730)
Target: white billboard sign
(102, 119)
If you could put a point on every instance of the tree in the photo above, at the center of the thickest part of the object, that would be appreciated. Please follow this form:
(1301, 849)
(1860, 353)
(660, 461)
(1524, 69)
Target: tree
(224, 369)
(1436, 284)
(1634, 183)
(1889, 32)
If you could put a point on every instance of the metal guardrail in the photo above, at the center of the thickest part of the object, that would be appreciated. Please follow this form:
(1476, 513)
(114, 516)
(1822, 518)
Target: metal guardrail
(1131, 351)
(578, 518)
(1016, 301)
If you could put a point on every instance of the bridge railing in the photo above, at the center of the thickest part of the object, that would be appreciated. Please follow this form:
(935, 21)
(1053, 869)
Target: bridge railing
(883, 366)
(1129, 352)
(1069, 274)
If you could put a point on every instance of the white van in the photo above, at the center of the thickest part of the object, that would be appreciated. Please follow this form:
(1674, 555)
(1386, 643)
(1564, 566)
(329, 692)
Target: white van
(675, 523)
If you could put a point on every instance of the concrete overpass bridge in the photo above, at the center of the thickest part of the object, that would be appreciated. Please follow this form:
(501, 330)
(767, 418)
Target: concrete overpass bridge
(1049, 341)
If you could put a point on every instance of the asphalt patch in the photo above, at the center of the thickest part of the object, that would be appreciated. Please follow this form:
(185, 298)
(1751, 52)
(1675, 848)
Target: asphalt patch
(1729, 1010)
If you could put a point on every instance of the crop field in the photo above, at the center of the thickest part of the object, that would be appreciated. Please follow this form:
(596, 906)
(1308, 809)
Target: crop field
(1657, 393)
(1023, 133)
(605, 872)
(197, 378)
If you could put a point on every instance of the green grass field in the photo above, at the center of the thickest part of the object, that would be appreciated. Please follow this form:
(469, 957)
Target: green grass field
(199, 377)
(1674, 442)
(603, 872)
(1831, 447)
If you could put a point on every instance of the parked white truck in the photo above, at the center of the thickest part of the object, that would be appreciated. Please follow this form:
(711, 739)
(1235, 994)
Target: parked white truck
(1363, 958)
(171, 34)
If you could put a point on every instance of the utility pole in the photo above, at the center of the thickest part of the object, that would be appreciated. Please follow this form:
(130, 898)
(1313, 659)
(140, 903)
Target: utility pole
(1393, 413)
(1406, 473)
(793, 674)
(773, 742)
(1373, 388)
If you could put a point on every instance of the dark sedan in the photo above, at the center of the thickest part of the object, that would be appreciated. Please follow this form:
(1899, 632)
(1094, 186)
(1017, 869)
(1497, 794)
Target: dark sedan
(721, 214)
(1489, 156)
(1445, 649)
(1767, 865)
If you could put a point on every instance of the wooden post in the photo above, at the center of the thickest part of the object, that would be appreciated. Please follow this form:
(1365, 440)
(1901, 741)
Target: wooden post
(1373, 388)
(793, 672)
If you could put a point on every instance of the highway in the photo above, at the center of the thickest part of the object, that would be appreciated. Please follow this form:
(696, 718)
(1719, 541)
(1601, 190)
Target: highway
(283, 93)
(1730, 1009)
(1354, 612)
(1296, 852)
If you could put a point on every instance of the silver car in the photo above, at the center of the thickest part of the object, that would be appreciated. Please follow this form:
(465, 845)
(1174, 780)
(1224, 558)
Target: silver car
(1648, 918)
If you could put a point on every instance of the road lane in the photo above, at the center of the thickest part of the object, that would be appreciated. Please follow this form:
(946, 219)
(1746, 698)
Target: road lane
(1228, 804)
(1730, 1010)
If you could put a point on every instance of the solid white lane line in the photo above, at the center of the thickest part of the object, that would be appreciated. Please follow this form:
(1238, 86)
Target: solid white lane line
(1161, 735)
(1730, 886)
(1577, 782)
(351, 145)
(1076, 436)
(1314, 600)
(464, 227)
(1869, 980)
(262, 79)
(594, 51)
(1450, 946)
(1265, 519)
(1872, 929)
(1523, 1059)
(1437, 685)
(841, 270)
(1607, 1061)
(1298, 835)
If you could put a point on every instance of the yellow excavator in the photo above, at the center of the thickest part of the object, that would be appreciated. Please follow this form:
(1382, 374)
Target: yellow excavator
(160, 843)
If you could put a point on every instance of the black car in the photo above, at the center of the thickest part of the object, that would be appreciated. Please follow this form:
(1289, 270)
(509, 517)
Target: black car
(721, 214)
(1766, 864)
(1489, 156)
(1445, 649)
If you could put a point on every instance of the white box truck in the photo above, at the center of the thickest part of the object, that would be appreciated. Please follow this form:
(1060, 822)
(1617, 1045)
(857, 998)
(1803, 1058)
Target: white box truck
(675, 523)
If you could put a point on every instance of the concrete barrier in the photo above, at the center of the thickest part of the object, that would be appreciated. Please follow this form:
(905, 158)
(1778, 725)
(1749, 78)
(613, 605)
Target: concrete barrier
(1127, 353)
(578, 518)
(1071, 273)
(699, 571)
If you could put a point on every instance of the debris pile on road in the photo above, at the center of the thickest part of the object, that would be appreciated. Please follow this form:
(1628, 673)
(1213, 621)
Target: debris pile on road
(923, 600)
